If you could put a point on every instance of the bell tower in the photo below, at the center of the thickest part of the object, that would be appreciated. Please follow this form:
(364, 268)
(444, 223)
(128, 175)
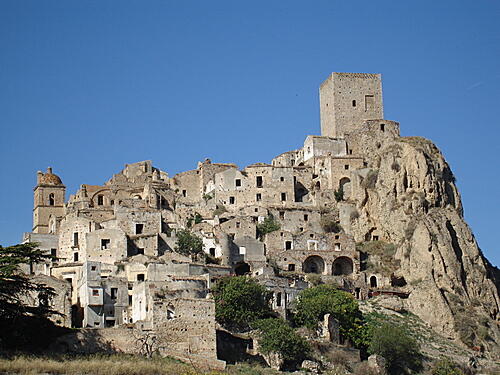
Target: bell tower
(48, 197)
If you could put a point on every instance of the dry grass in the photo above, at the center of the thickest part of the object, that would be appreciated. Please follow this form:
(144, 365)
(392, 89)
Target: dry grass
(116, 364)
(95, 365)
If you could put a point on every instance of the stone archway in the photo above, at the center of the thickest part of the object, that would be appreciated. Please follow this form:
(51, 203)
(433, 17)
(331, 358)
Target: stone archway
(242, 268)
(342, 266)
(314, 264)
(345, 186)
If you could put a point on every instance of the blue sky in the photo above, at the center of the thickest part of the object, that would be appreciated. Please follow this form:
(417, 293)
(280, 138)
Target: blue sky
(87, 86)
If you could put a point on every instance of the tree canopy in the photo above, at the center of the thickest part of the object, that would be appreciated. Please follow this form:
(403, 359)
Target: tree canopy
(277, 336)
(239, 301)
(313, 303)
(188, 243)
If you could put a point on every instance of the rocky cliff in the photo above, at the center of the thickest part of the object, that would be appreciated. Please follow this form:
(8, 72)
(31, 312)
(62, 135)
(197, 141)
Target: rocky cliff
(409, 194)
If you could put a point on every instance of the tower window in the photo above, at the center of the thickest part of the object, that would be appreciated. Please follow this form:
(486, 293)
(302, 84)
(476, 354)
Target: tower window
(354, 103)
(105, 243)
(100, 200)
(382, 127)
(75, 239)
(258, 181)
(51, 199)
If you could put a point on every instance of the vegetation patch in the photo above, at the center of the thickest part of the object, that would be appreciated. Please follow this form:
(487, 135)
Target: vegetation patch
(188, 243)
(267, 226)
(239, 301)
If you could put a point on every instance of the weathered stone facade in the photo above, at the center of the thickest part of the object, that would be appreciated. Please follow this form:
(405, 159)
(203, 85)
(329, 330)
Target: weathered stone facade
(359, 205)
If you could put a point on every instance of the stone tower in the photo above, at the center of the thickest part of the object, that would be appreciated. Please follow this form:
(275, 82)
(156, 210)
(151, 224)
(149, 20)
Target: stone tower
(346, 99)
(49, 195)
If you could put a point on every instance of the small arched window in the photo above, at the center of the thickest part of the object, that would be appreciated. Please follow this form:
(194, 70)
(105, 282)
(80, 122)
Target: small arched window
(382, 127)
(51, 199)
(354, 103)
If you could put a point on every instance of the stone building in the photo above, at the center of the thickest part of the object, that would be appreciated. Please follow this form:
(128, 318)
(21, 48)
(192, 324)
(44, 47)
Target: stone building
(115, 244)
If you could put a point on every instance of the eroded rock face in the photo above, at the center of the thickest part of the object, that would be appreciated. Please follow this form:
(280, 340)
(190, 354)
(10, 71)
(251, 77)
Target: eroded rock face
(408, 194)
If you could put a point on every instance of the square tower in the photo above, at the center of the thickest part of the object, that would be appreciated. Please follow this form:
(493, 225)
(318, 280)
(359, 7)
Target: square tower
(346, 99)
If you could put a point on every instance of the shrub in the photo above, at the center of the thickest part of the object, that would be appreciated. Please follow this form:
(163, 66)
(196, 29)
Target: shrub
(446, 367)
(267, 226)
(239, 301)
(339, 194)
(313, 303)
(278, 337)
(313, 279)
(329, 224)
(400, 350)
(188, 243)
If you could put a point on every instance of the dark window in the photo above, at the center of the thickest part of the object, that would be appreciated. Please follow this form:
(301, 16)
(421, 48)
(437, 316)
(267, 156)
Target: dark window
(288, 245)
(100, 200)
(306, 217)
(278, 299)
(139, 228)
(237, 182)
(283, 197)
(231, 200)
(140, 277)
(354, 103)
(282, 179)
(382, 127)
(350, 152)
(130, 300)
(112, 202)
(51, 199)
(95, 292)
(238, 224)
(346, 167)
(93, 268)
(259, 181)
(53, 252)
(75, 239)
(258, 197)
(184, 193)
(282, 214)
(291, 267)
(75, 257)
(375, 238)
(140, 250)
(212, 251)
(114, 293)
(105, 243)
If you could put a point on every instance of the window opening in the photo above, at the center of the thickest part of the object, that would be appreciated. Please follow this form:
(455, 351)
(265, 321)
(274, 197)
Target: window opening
(51, 199)
(139, 228)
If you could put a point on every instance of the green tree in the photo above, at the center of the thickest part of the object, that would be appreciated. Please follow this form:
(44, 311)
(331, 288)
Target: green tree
(277, 336)
(14, 285)
(313, 303)
(395, 344)
(239, 301)
(24, 326)
(188, 243)
(267, 226)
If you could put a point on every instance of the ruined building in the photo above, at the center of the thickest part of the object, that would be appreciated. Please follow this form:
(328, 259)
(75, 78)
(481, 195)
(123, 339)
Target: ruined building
(365, 208)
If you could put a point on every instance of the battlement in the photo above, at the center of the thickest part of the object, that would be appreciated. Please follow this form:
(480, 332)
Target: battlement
(347, 100)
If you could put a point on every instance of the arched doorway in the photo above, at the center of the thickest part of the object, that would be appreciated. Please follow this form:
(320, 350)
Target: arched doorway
(373, 281)
(345, 186)
(314, 264)
(342, 266)
(241, 269)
